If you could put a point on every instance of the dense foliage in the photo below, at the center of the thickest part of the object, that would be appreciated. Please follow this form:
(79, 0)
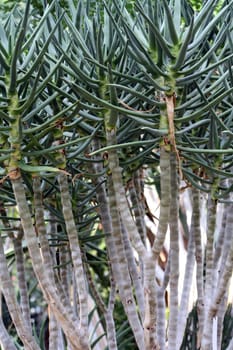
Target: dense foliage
(103, 106)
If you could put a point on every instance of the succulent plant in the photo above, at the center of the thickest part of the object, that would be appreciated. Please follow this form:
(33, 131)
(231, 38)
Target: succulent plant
(92, 93)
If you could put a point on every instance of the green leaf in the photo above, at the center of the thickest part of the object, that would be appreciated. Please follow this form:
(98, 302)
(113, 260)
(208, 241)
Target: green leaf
(52, 149)
(139, 53)
(189, 78)
(199, 111)
(42, 52)
(205, 14)
(201, 36)
(182, 52)
(205, 150)
(77, 37)
(141, 96)
(39, 107)
(38, 28)
(17, 50)
(177, 15)
(93, 83)
(3, 62)
(92, 98)
(162, 42)
(213, 47)
(122, 145)
(51, 121)
(38, 168)
(113, 99)
(174, 25)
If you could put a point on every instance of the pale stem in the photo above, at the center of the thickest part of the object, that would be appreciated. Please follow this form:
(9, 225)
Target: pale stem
(22, 283)
(165, 185)
(54, 327)
(124, 281)
(134, 271)
(221, 251)
(150, 322)
(76, 304)
(106, 221)
(121, 199)
(224, 279)
(227, 238)
(138, 185)
(68, 321)
(110, 324)
(211, 224)
(130, 226)
(221, 234)
(6, 342)
(47, 255)
(64, 269)
(174, 256)
(53, 332)
(41, 228)
(75, 249)
(223, 285)
(188, 275)
(187, 284)
(220, 316)
(7, 289)
(199, 259)
(94, 291)
(161, 315)
(150, 289)
(137, 208)
(161, 308)
(220, 246)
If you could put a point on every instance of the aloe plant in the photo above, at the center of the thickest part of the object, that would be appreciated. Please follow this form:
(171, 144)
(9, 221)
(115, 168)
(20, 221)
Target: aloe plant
(93, 94)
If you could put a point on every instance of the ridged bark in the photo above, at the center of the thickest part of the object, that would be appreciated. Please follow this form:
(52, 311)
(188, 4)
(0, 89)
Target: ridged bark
(227, 238)
(121, 197)
(124, 281)
(150, 290)
(68, 321)
(46, 253)
(53, 332)
(226, 272)
(174, 255)
(221, 251)
(188, 275)
(94, 292)
(76, 255)
(7, 289)
(223, 285)
(21, 276)
(165, 185)
(219, 246)
(106, 221)
(65, 269)
(135, 193)
(134, 272)
(199, 259)
(208, 321)
(150, 323)
(120, 212)
(161, 308)
(110, 324)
